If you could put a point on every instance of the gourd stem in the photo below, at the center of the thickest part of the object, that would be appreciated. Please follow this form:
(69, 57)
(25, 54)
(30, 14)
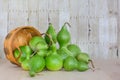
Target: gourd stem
(34, 53)
(49, 38)
(67, 24)
(92, 63)
(67, 51)
(92, 69)
(49, 23)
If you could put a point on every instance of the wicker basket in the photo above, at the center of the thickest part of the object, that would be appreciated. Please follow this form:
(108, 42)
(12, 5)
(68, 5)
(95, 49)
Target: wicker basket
(18, 37)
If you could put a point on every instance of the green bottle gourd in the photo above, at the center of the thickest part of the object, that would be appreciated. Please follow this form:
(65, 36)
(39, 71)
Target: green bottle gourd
(82, 66)
(84, 57)
(53, 61)
(41, 46)
(70, 63)
(51, 32)
(36, 64)
(63, 36)
(23, 54)
(74, 49)
(34, 41)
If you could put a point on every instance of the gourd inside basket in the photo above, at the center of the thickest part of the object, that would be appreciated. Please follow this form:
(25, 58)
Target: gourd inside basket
(18, 37)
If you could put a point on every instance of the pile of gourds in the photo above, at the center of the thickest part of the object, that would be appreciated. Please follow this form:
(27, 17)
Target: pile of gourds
(52, 51)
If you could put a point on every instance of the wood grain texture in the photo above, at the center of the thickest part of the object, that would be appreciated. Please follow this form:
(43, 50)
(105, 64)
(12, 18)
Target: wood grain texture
(3, 23)
(118, 28)
(17, 13)
(94, 23)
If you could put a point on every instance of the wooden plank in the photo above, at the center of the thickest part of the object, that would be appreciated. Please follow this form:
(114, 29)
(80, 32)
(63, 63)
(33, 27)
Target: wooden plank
(83, 8)
(83, 34)
(64, 13)
(112, 12)
(112, 37)
(112, 8)
(53, 13)
(17, 13)
(82, 39)
(33, 13)
(102, 25)
(98, 8)
(43, 15)
(74, 16)
(108, 37)
(3, 25)
(74, 29)
(18, 5)
(118, 28)
(93, 37)
(104, 37)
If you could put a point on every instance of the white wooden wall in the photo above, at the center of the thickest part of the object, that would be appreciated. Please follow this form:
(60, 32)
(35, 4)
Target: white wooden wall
(95, 23)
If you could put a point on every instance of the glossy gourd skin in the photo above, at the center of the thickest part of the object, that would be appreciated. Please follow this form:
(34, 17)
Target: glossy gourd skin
(74, 49)
(35, 41)
(70, 63)
(82, 66)
(54, 62)
(52, 33)
(62, 53)
(23, 54)
(84, 57)
(36, 64)
(63, 36)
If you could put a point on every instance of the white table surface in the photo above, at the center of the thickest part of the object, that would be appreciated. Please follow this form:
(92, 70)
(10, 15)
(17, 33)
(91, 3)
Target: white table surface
(105, 70)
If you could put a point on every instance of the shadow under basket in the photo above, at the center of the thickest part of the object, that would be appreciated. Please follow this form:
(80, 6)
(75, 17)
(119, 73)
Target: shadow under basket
(19, 36)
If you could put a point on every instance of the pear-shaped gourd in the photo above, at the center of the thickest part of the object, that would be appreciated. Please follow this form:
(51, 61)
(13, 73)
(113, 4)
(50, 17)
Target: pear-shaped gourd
(70, 63)
(82, 66)
(23, 53)
(41, 46)
(84, 57)
(36, 64)
(74, 49)
(53, 61)
(51, 32)
(63, 36)
(34, 41)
